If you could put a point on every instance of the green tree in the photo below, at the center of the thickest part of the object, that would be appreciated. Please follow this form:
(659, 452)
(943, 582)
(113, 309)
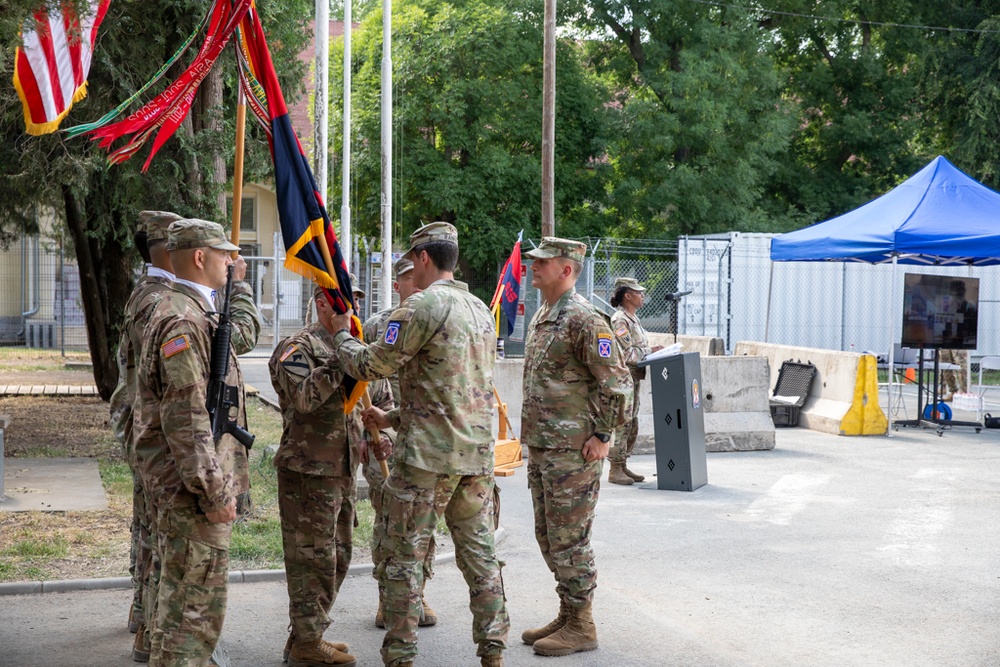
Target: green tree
(860, 109)
(99, 203)
(467, 125)
(700, 119)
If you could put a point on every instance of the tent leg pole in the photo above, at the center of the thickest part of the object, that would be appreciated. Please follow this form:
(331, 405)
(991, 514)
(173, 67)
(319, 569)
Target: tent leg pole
(892, 361)
(767, 315)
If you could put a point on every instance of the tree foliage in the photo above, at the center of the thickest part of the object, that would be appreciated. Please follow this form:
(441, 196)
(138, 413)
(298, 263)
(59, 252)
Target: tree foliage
(467, 124)
(99, 203)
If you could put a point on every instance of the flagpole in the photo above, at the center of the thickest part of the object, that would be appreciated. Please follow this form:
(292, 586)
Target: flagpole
(385, 284)
(241, 124)
(366, 399)
(345, 171)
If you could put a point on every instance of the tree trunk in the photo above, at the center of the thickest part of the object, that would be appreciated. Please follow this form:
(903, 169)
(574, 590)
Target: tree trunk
(211, 120)
(105, 283)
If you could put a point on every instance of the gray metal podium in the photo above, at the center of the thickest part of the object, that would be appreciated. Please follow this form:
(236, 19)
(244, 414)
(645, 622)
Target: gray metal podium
(679, 422)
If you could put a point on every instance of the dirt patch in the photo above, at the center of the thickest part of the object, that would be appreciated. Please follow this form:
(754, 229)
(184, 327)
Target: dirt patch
(58, 426)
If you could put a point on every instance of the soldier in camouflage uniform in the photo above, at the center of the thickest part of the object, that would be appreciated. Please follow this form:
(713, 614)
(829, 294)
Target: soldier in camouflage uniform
(316, 462)
(151, 242)
(191, 480)
(374, 329)
(442, 341)
(576, 392)
(628, 298)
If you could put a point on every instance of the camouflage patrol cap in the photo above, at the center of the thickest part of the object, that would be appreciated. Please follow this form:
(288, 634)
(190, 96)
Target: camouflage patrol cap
(630, 283)
(552, 247)
(403, 266)
(354, 286)
(432, 231)
(193, 233)
(155, 224)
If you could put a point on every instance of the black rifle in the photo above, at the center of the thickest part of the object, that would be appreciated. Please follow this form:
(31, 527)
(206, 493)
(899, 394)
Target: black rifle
(221, 396)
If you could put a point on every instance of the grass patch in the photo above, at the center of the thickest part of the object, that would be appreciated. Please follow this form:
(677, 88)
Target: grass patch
(39, 548)
(264, 422)
(44, 452)
(116, 478)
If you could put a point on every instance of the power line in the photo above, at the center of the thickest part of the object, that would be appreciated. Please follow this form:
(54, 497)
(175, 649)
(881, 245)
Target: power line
(886, 24)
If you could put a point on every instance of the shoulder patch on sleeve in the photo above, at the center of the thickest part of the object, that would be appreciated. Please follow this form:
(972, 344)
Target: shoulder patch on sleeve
(175, 345)
(392, 332)
(604, 345)
(294, 361)
(622, 330)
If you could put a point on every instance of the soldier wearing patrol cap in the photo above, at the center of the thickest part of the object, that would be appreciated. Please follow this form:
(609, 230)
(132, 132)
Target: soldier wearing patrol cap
(442, 341)
(151, 242)
(190, 480)
(317, 462)
(576, 392)
(374, 329)
(628, 298)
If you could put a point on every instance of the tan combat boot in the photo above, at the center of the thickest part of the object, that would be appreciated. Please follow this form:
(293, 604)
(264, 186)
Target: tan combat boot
(617, 474)
(491, 660)
(636, 477)
(427, 615)
(379, 616)
(529, 637)
(319, 653)
(140, 645)
(340, 646)
(579, 634)
(134, 619)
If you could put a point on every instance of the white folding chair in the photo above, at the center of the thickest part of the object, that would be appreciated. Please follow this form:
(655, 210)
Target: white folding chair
(989, 364)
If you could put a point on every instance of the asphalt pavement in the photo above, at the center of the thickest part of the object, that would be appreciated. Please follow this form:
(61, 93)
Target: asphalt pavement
(827, 551)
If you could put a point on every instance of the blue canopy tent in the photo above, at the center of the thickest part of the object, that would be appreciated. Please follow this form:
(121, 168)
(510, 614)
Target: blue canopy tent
(937, 217)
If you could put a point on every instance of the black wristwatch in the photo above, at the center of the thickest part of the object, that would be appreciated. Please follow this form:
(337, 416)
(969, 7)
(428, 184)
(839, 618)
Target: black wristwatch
(603, 437)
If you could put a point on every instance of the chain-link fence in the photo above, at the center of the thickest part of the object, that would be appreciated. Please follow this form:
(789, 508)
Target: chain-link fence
(736, 293)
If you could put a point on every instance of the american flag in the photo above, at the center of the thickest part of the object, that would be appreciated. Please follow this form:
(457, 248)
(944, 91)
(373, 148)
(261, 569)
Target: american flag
(50, 70)
(173, 346)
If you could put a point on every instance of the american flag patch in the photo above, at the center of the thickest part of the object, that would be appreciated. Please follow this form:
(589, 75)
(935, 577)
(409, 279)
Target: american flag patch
(622, 329)
(173, 346)
(291, 349)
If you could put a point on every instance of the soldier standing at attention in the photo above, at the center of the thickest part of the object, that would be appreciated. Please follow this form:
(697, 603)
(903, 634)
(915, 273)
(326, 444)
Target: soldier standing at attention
(443, 343)
(374, 329)
(576, 392)
(316, 461)
(191, 480)
(628, 298)
(151, 242)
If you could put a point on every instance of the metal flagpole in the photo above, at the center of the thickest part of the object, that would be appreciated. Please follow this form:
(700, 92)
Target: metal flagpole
(345, 175)
(321, 133)
(385, 284)
(549, 120)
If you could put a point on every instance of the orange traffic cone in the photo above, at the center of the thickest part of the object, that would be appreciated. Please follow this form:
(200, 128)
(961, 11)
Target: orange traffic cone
(910, 375)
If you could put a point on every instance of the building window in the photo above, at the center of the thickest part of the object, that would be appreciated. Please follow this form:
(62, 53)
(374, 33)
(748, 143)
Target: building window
(248, 213)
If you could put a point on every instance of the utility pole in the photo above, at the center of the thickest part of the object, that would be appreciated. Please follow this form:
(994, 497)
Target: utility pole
(549, 121)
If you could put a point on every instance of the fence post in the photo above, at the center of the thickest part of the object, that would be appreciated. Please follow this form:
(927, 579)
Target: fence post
(277, 285)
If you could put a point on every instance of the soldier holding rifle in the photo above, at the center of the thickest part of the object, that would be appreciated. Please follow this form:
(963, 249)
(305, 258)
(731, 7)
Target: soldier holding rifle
(192, 478)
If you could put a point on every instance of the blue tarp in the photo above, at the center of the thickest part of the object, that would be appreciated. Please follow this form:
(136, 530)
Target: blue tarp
(939, 216)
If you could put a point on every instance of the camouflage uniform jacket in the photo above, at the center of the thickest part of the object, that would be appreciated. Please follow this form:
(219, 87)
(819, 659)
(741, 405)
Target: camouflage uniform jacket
(633, 340)
(443, 342)
(575, 380)
(179, 462)
(141, 304)
(374, 329)
(317, 438)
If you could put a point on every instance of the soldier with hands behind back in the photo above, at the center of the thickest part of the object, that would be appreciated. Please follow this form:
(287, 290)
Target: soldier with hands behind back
(576, 392)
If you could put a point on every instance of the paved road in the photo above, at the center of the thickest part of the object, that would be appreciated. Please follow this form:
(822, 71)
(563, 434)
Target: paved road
(827, 551)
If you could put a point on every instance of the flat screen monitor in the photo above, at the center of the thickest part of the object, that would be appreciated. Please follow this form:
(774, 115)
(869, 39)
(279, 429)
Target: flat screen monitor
(940, 311)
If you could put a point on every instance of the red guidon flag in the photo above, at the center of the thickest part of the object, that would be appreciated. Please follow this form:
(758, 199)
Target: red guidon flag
(50, 70)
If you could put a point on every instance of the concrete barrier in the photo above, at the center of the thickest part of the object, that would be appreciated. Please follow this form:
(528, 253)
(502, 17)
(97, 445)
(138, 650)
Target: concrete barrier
(708, 346)
(737, 406)
(844, 395)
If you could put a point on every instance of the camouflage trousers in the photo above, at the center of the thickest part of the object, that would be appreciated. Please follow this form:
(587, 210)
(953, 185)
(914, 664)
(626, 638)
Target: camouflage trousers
(410, 516)
(373, 475)
(626, 434)
(564, 490)
(955, 381)
(191, 600)
(140, 553)
(317, 528)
